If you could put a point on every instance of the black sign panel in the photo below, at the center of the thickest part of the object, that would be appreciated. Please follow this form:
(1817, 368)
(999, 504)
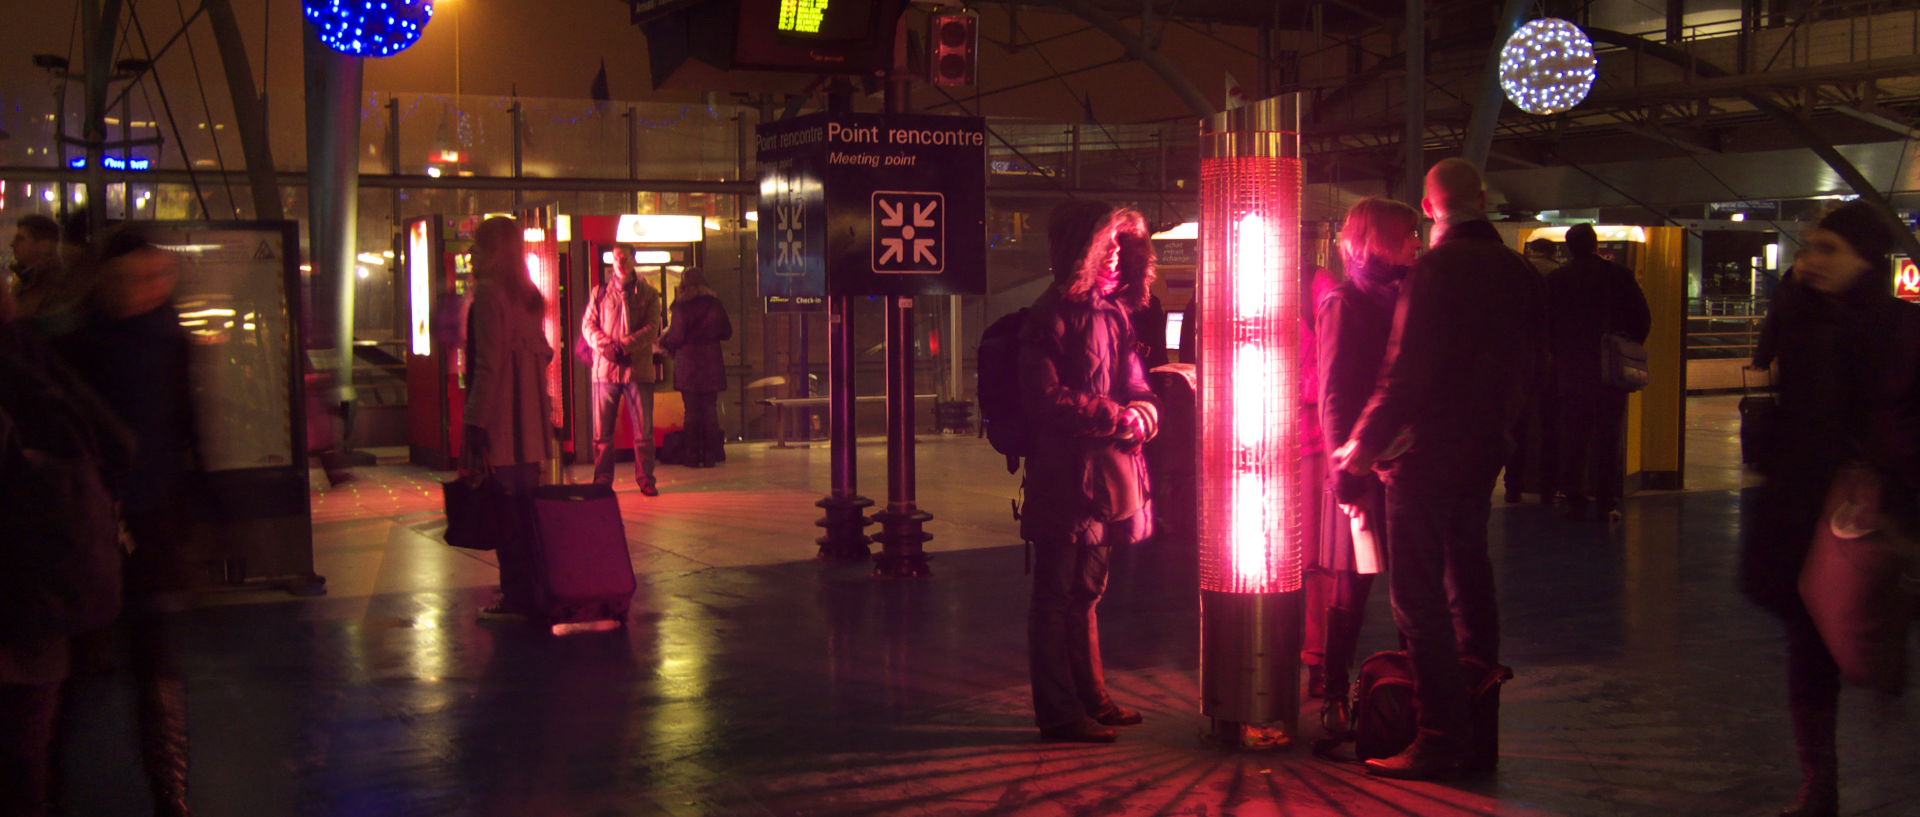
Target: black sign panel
(793, 214)
(883, 204)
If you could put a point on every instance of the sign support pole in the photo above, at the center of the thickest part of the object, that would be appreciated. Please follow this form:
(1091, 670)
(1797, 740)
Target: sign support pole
(846, 510)
(846, 520)
(901, 524)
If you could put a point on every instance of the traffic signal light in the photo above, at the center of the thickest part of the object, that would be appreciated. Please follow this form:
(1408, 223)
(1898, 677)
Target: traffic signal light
(956, 47)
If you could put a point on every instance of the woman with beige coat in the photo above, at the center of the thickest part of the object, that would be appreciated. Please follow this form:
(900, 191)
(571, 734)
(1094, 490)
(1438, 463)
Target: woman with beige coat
(506, 431)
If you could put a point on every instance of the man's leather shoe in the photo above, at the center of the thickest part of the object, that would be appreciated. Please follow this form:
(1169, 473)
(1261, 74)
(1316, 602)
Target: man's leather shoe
(1417, 763)
(1080, 731)
(1114, 715)
(648, 488)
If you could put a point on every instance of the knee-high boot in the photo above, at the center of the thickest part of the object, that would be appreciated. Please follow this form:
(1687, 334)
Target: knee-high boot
(1813, 700)
(163, 745)
(161, 706)
(1814, 740)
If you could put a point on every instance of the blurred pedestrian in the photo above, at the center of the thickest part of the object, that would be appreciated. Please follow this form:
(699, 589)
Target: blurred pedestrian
(506, 433)
(1353, 322)
(1849, 387)
(133, 351)
(622, 323)
(1150, 330)
(1091, 412)
(1533, 467)
(1588, 299)
(39, 279)
(1466, 348)
(1543, 255)
(699, 372)
(60, 572)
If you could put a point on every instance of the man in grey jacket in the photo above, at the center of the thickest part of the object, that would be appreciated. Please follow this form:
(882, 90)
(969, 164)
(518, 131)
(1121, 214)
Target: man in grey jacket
(622, 323)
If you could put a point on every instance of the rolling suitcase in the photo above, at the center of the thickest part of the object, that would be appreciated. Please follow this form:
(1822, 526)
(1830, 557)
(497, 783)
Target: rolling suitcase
(582, 572)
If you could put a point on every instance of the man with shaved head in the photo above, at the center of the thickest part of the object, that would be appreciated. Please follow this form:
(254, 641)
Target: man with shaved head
(1468, 346)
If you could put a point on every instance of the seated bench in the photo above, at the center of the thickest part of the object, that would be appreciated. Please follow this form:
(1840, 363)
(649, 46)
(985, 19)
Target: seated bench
(781, 404)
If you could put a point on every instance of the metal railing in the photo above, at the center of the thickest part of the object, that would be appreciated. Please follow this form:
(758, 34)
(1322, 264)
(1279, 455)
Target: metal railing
(1829, 34)
(1723, 326)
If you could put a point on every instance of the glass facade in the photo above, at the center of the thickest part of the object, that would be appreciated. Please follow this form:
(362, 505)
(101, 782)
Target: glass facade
(580, 156)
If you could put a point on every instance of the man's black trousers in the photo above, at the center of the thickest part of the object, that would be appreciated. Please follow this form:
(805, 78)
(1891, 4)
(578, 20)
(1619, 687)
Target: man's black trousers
(1443, 597)
(1592, 457)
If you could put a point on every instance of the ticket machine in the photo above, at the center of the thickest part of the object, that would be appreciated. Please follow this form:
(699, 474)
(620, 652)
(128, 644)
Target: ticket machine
(438, 280)
(1656, 415)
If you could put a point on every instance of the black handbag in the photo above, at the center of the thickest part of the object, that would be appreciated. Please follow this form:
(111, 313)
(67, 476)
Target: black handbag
(482, 514)
(476, 514)
(1623, 363)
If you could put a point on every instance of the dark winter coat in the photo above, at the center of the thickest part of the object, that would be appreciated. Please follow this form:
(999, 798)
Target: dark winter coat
(23, 359)
(1588, 298)
(1080, 369)
(699, 325)
(1078, 373)
(1320, 283)
(139, 367)
(1468, 345)
(1353, 324)
(1849, 385)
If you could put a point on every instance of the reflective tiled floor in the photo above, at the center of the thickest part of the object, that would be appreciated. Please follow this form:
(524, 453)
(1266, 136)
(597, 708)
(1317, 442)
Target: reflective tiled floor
(755, 681)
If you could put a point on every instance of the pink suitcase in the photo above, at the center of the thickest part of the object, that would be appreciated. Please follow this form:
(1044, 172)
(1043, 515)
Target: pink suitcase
(582, 572)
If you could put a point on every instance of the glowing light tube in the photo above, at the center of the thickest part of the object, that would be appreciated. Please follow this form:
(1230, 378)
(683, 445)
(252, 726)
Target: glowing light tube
(1250, 308)
(1253, 488)
(420, 283)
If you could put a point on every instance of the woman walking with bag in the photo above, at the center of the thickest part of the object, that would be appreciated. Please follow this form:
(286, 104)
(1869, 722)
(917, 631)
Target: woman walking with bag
(699, 325)
(506, 432)
(1848, 399)
(1352, 324)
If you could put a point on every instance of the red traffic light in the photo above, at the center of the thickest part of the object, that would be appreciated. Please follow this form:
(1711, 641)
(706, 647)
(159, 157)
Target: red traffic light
(956, 47)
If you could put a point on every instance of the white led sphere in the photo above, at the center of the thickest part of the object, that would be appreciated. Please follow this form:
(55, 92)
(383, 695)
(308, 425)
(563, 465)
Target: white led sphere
(369, 28)
(1547, 66)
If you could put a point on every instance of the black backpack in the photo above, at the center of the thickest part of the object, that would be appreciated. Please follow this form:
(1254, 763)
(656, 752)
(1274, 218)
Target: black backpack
(1003, 415)
(1386, 715)
(60, 550)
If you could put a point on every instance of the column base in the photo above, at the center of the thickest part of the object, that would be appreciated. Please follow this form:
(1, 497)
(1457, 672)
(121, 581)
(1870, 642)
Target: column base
(903, 553)
(846, 528)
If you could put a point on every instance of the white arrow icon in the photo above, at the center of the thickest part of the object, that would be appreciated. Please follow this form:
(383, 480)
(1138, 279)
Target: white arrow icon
(789, 218)
(907, 233)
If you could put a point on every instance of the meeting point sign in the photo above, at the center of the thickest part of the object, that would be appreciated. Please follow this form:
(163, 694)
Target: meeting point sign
(873, 204)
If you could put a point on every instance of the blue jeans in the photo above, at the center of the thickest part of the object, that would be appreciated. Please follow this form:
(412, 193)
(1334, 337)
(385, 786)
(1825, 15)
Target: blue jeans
(606, 411)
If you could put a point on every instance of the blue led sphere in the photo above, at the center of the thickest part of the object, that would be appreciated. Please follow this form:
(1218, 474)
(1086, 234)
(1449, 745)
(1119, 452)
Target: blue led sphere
(369, 28)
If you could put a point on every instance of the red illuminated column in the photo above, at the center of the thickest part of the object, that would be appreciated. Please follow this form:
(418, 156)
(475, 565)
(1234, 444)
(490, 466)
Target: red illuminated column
(1252, 487)
(543, 266)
